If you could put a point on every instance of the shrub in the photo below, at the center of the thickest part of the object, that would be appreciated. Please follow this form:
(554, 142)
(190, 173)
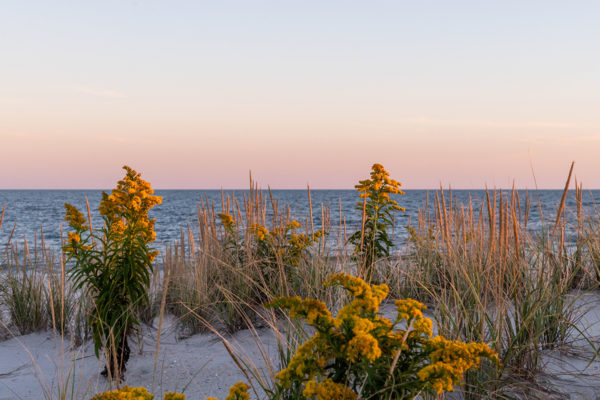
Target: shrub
(270, 258)
(114, 263)
(359, 354)
(24, 296)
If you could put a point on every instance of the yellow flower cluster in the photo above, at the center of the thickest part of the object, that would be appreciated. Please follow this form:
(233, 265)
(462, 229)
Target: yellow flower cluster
(299, 241)
(239, 391)
(328, 390)
(128, 205)
(362, 342)
(135, 393)
(277, 244)
(293, 224)
(412, 311)
(450, 359)
(118, 227)
(125, 393)
(409, 309)
(379, 187)
(75, 218)
(174, 396)
(352, 326)
(309, 361)
(315, 312)
(362, 345)
(260, 231)
(76, 221)
(74, 237)
(227, 220)
(367, 298)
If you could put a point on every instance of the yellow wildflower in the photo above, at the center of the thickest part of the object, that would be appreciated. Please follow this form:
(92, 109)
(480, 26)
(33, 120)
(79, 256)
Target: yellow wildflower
(361, 325)
(174, 396)
(260, 231)
(318, 234)
(359, 341)
(123, 259)
(125, 393)
(226, 219)
(423, 326)
(153, 255)
(129, 204)
(118, 227)
(409, 309)
(367, 297)
(293, 224)
(75, 218)
(239, 391)
(450, 359)
(73, 237)
(328, 390)
(363, 345)
(441, 376)
(315, 312)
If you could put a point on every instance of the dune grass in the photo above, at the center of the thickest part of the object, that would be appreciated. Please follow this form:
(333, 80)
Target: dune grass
(486, 276)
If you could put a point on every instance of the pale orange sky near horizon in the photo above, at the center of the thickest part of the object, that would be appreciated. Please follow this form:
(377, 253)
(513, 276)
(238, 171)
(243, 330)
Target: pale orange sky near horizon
(196, 94)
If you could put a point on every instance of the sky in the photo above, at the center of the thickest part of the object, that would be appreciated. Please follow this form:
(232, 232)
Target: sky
(196, 94)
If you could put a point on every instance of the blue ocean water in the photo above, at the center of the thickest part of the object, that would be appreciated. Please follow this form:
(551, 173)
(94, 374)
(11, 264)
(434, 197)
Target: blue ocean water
(30, 211)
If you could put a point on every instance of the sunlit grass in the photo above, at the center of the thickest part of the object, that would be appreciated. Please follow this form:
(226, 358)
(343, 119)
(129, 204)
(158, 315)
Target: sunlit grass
(485, 276)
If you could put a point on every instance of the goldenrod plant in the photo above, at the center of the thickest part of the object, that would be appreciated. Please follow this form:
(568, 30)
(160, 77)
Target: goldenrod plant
(280, 243)
(284, 244)
(281, 246)
(361, 355)
(372, 241)
(135, 393)
(239, 391)
(114, 263)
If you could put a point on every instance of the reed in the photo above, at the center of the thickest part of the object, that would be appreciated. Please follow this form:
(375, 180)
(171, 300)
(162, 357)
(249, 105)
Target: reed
(240, 260)
(491, 279)
(24, 289)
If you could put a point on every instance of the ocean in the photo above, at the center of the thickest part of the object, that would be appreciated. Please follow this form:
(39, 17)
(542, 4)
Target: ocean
(29, 212)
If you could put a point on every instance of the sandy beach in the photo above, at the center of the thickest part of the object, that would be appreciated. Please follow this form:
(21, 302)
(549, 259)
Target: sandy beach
(39, 365)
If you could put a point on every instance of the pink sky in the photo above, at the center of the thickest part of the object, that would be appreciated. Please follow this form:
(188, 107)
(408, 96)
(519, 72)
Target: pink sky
(195, 95)
(217, 157)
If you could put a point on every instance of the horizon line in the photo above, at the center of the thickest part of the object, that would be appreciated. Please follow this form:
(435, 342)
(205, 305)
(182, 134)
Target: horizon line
(306, 189)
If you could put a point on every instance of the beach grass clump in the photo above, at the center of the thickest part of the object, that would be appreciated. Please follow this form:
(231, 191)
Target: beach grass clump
(492, 280)
(25, 294)
(64, 304)
(23, 287)
(270, 257)
(587, 254)
(239, 261)
(114, 264)
(34, 291)
(189, 294)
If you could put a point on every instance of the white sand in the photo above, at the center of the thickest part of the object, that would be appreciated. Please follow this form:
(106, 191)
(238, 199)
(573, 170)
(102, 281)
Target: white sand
(202, 363)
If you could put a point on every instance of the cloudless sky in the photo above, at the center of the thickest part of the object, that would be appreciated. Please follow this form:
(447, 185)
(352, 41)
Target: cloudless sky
(194, 94)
